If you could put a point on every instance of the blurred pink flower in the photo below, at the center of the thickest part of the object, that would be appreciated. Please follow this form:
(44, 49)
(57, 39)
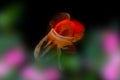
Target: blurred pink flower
(110, 42)
(33, 73)
(4, 69)
(52, 74)
(111, 68)
(14, 57)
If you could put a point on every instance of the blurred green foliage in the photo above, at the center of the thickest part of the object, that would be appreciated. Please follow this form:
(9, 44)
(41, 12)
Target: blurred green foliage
(10, 15)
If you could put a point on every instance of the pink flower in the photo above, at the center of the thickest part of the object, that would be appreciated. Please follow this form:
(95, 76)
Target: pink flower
(110, 42)
(14, 57)
(33, 73)
(4, 69)
(52, 74)
(111, 68)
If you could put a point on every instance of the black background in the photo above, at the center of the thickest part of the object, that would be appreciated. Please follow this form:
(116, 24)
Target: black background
(38, 13)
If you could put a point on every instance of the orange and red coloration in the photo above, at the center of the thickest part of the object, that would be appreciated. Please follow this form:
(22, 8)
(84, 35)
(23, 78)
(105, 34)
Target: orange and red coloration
(70, 28)
(64, 32)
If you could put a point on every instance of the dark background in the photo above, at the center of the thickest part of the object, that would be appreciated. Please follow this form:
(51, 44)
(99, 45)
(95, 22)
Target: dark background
(38, 13)
(41, 12)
